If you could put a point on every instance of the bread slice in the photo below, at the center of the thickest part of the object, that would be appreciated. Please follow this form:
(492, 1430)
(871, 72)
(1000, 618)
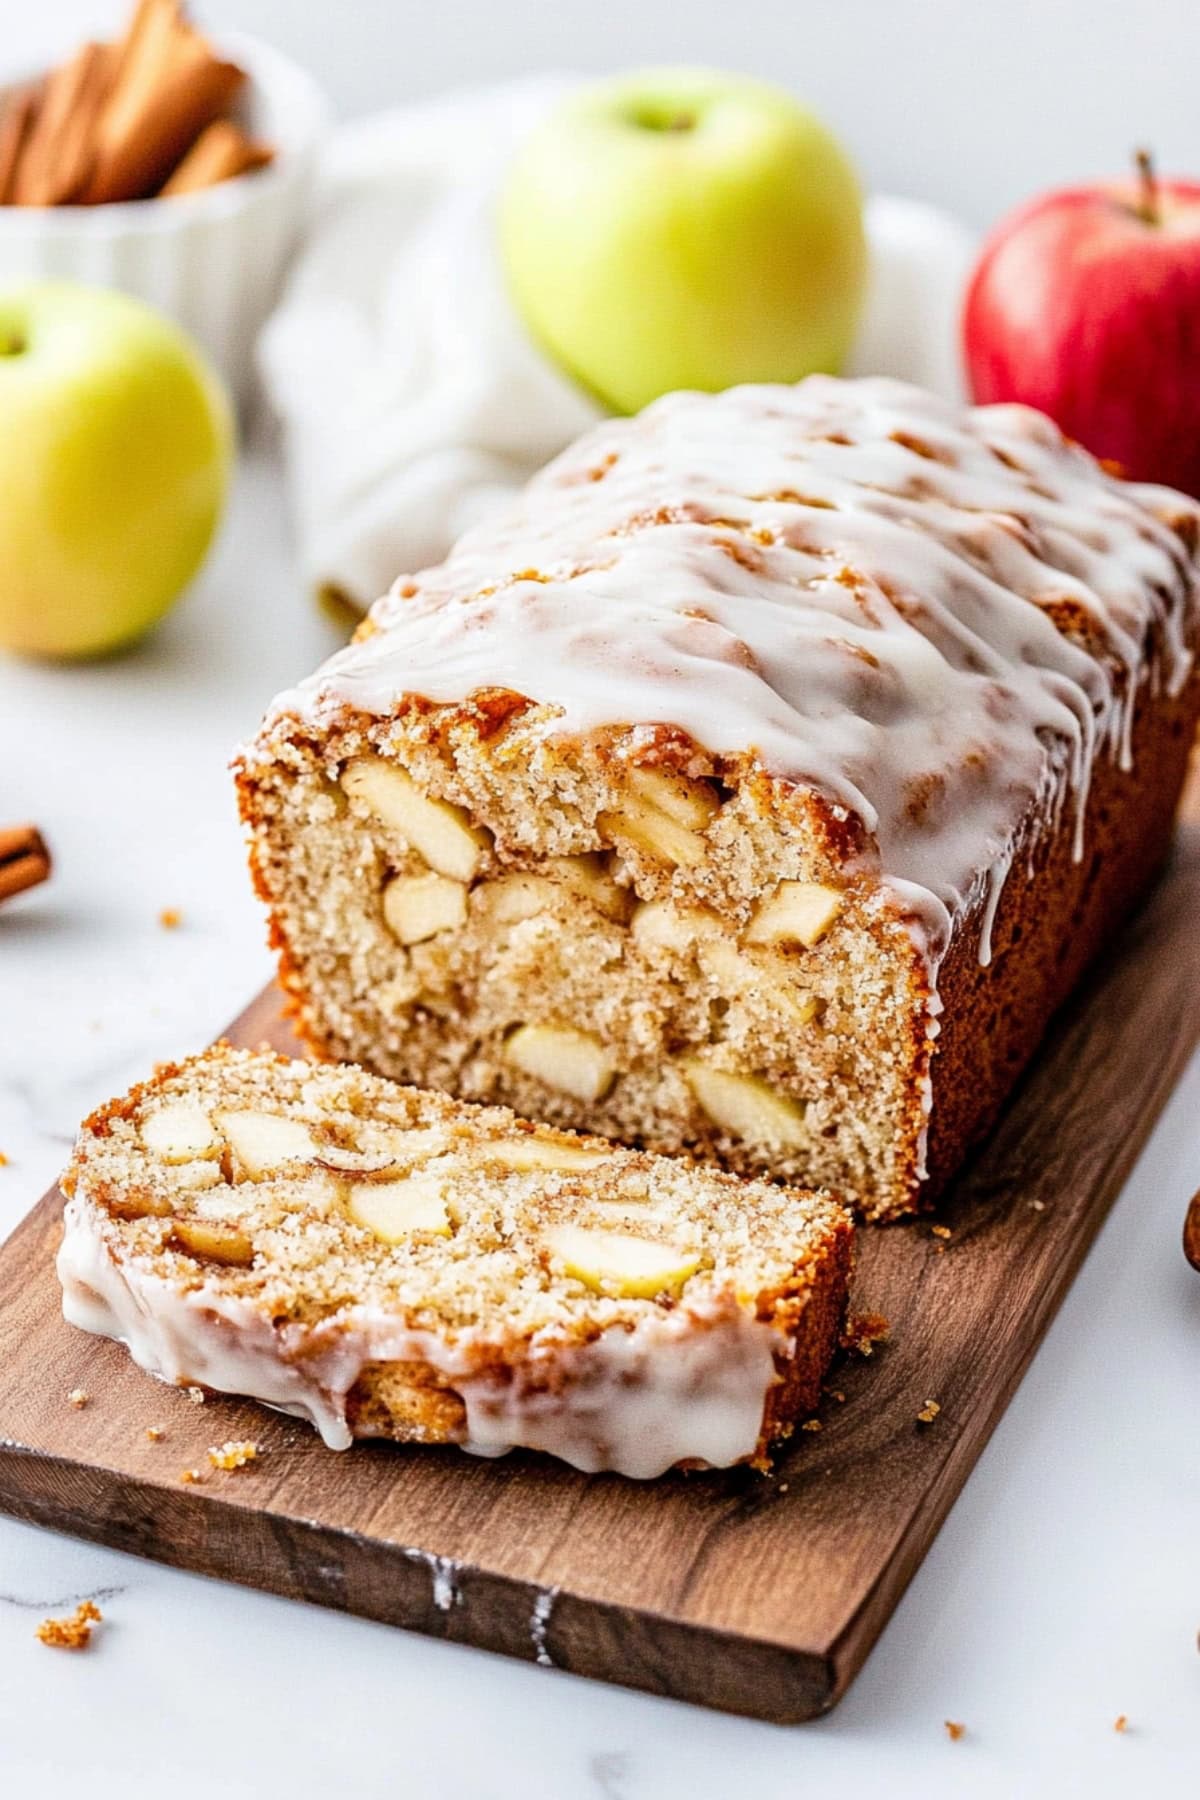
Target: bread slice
(756, 787)
(390, 1263)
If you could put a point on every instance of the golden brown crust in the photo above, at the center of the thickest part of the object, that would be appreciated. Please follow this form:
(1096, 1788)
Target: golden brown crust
(1048, 929)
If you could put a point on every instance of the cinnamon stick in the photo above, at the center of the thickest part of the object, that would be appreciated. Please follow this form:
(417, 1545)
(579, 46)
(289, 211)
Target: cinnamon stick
(56, 157)
(167, 88)
(17, 119)
(222, 151)
(24, 859)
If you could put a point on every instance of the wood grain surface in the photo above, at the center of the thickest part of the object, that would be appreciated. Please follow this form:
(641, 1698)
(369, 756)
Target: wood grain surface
(757, 1594)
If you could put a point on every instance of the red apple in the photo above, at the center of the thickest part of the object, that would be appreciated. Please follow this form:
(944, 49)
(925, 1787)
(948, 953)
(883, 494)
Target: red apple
(1086, 304)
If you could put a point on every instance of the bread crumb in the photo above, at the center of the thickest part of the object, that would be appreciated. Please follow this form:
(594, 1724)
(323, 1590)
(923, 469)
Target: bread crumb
(941, 1231)
(233, 1455)
(863, 1331)
(74, 1633)
(196, 1396)
(3, 1160)
(929, 1412)
(1121, 1722)
(78, 1398)
(188, 1476)
(170, 918)
(155, 1433)
(954, 1730)
(1038, 1205)
(811, 1425)
(782, 1488)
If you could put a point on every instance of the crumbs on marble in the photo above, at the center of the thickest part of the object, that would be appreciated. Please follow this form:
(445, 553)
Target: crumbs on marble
(928, 1412)
(156, 1433)
(811, 1425)
(234, 1454)
(190, 1477)
(74, 1633)
(1121, 1723)
(940, 1231)
(196, 1395)
(954, 1730)
(78, 1398)
(170, 918)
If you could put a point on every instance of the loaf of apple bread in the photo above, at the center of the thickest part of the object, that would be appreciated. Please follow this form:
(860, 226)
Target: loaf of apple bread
(758, 786)
(390, 1263)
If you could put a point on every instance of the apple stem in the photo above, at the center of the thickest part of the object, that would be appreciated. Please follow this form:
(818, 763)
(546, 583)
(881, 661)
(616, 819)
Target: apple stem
(1148, 206)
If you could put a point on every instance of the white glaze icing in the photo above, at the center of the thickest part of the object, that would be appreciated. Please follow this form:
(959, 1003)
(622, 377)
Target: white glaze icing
(864, 625)
(681, 1385)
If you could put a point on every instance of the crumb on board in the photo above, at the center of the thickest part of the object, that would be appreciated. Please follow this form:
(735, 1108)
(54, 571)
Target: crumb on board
(74, 1633)
(190, 1476)
(196, 1395)
(1121, 1722)
(836, 1394)
(234, 1454)
(1038, 1205)
(941, 1231)
(170, 918)
(954, 1730)
(928, 1412)
(155, 1433)
(863, 1331)
(78, 1398)
(3, 1160)
(811, 1425)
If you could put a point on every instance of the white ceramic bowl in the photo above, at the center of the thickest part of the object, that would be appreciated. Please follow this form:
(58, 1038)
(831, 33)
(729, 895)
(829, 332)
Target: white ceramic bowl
(213, 260)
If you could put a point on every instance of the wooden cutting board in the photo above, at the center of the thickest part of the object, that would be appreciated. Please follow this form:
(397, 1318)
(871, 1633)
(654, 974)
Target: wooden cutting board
(760, 1595)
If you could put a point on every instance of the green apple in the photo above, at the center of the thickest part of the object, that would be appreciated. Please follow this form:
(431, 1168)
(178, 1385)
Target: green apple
(681, 228)
(115, 447)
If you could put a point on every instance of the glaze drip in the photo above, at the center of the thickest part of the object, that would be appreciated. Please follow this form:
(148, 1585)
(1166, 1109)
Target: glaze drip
(935, 618)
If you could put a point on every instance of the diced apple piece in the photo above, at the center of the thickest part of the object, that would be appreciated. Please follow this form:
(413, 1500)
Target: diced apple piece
(343, 1161)
(531, 1153)
(798, 912)
(436, 829)
(509, 899)
(660, 925)
(416, 907)
(181, 1133)
(654, 832)
(738, 974)
(746, 1107)
(263, 1142)
(617, 1262)
(197, 1175)
(211, 1239)
(395, 1210)
(572, 1062)
(690, 803)
(409, 1147)
(588, 877)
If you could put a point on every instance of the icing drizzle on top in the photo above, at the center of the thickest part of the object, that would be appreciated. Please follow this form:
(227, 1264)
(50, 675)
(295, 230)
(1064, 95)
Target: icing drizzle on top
(855, 581)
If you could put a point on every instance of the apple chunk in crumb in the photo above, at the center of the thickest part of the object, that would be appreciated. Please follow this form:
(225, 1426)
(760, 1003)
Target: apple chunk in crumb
(654, 832)
(573, 1062)
(418, 907)
(213, 1241)
(523, 1153)
(397, 1210)
(263, 1142)
(181, 1132)
(618, 1262)
(437, 830)
(798, 912)
(747, 1108)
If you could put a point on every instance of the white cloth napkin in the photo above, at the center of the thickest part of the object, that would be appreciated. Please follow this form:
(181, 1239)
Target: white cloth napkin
(412, 399)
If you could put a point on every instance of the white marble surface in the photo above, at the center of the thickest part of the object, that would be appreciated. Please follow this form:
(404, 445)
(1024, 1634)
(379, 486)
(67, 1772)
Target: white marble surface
(1064, 1589)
